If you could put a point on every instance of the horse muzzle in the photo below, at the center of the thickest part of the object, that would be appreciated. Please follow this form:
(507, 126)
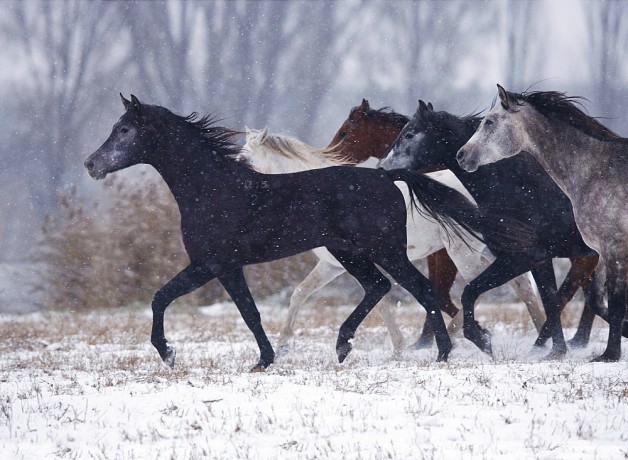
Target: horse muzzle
(93, 170)
(465, 161)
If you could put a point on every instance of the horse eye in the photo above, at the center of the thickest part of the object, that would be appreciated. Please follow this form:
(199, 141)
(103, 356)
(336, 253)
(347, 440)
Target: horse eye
(488, 122)
(342, 134)
(409, 135)
(124, 130)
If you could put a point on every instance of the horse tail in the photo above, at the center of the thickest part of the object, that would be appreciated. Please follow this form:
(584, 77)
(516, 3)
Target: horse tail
(454, 211)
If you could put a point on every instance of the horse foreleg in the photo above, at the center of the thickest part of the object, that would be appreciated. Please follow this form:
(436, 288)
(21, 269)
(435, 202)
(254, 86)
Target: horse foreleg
(322, 274)
(617, 290)
(543, 274)
(186, 281)
(235, 285)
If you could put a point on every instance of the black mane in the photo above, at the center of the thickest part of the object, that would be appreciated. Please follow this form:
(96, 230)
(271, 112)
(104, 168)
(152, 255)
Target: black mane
(449, 122)
(568, 109)
(219, 139)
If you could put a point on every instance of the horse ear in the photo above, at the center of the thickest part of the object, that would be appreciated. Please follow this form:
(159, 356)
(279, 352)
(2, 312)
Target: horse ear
(136, 103)
(503, 97)
(364, 107)
(423, 107)
(430, 107)
(125, 102)
(133, 104)
(264, 135)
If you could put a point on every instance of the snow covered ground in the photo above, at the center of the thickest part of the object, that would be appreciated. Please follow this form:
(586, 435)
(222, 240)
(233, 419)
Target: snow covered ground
(90, 385)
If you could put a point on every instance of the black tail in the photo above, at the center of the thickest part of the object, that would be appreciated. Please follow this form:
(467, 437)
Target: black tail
(454, 211)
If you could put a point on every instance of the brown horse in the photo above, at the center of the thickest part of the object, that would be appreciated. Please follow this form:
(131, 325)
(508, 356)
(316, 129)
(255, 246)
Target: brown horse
(371, 133)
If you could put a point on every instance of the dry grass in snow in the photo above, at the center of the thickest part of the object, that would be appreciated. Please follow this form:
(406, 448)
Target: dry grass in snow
(90, 385)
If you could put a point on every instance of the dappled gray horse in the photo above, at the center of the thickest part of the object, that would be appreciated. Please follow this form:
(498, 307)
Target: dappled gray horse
(589, 163)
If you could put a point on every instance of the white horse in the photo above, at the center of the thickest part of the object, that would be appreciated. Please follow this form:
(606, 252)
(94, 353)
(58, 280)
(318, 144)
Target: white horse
(274, 154)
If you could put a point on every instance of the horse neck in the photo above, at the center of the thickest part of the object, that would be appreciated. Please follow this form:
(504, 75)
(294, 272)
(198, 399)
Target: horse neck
(377, 141)
(567, 154)
(189, 171)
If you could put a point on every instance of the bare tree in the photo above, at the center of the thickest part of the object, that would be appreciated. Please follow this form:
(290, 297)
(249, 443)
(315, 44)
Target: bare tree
(522, 53)
(608, 35)
(63, 52)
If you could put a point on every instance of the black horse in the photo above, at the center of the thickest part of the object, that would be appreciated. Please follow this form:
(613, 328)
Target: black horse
(517, 187)
(232, 216)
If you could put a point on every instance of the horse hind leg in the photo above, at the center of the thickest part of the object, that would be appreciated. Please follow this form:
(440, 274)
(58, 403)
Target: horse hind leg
(323, 273)
(375, 286)
(579, 275)
(442, 273)
(396, 336)
(502, 270)
(406, 274)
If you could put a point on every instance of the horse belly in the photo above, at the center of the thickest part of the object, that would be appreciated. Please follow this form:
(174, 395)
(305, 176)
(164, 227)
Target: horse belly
(372, 221)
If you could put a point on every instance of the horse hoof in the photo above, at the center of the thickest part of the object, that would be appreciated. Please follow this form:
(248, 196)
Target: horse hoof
(481, 338)
(282, 351)
(607, 357)
(555, 355)
(169, 357)
(343, 351)
(442, 357)
(577, 342)
(262, 364)
(420, 344)
(397, 355)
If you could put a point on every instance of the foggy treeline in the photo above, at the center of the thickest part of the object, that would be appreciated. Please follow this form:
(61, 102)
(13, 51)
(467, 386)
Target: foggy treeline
(296, 67)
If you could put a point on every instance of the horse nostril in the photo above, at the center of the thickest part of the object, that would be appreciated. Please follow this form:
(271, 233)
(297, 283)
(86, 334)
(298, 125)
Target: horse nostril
(89, 164)
(460, 155)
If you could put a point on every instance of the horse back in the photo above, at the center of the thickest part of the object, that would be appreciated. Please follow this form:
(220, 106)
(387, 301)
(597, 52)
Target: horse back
(278, 215)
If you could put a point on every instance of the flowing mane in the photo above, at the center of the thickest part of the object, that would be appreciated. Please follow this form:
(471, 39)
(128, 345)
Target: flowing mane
(447, 121)
(386, 115)
(291, 147)
(568, 109)
(219, 139)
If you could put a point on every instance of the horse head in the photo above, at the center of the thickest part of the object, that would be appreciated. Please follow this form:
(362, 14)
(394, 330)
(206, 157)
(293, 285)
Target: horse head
(126, 145)
(498, 136)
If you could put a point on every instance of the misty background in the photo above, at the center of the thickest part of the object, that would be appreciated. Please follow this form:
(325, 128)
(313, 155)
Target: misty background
(295, 67)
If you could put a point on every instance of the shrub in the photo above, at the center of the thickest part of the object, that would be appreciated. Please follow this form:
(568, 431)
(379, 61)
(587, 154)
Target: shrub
(97, 254)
